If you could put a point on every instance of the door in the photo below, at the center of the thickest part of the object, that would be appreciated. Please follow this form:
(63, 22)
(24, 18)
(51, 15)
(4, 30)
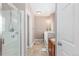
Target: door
(76, 28)
(11, 34)
(66, 31)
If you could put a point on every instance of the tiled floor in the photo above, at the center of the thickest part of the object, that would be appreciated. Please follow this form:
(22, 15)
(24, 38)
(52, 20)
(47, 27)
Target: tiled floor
(36, 49)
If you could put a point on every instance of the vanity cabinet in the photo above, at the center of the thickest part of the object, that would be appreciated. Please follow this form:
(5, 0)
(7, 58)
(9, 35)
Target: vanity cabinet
(51, 47)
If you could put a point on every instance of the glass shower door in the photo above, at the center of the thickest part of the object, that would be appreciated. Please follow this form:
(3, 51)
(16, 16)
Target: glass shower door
(11, 33)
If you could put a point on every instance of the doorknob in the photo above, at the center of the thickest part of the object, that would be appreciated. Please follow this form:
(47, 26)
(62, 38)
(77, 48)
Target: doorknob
(59, 44)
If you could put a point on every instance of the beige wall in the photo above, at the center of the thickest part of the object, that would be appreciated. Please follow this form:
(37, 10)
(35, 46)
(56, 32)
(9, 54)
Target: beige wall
(40, 25)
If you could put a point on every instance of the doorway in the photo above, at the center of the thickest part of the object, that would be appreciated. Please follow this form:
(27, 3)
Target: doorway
(41, 32)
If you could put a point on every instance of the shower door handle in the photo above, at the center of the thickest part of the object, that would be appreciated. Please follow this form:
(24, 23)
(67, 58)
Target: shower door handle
(2, 41)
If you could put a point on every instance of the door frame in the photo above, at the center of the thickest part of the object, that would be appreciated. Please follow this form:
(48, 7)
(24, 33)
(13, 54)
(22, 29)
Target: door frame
(55, 28)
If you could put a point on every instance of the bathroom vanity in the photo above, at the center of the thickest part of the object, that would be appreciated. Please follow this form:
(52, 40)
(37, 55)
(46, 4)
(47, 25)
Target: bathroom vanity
(51, 46)
(49, 41)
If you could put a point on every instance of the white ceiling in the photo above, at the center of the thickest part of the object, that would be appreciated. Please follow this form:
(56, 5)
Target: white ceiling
(5, 6)
(45, 8)
(20, 6)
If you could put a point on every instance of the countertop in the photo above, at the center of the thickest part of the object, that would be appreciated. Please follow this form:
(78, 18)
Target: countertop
(52, 40)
